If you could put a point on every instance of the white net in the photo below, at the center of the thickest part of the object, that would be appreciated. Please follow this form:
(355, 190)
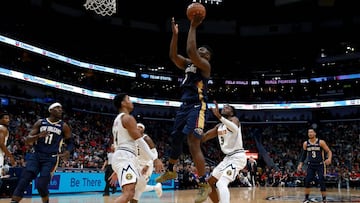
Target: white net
(101, 7)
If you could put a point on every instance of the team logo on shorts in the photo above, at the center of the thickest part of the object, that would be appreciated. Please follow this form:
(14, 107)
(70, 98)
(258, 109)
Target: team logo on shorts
(128, 176)
(198, 131)
(229, 172)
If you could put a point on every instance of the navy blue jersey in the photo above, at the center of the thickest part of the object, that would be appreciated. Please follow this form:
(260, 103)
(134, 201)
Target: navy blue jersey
(194, 85)
(315, 153)
(52, 143)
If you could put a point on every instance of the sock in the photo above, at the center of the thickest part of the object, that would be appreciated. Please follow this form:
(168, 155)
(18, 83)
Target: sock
(149, 188)
(170, 167)
(223, 190)
(307, 196)
(324, 197)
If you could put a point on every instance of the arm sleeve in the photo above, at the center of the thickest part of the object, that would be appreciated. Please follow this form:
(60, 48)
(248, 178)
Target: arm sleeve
(144, 146)
(155, 152)
(150, 162)
(230, 125)
(302, 156)
(69, 145)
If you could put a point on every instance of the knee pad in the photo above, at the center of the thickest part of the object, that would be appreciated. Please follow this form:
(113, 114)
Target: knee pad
(42, 185)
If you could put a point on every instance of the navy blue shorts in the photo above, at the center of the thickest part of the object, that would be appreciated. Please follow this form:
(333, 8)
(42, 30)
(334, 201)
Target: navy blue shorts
(191, 118)
(42, 163)
(313, 170)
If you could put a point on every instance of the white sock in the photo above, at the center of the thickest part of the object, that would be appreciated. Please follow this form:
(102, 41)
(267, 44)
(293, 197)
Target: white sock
(149, 188)
(223, 190)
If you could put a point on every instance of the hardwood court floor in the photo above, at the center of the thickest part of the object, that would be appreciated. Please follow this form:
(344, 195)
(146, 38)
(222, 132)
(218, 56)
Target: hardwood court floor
(238, 195)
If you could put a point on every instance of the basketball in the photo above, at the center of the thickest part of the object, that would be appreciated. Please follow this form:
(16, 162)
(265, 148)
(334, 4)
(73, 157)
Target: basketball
(195, 8)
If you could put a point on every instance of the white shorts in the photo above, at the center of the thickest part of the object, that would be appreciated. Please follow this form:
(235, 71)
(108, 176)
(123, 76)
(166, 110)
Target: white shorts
(230, 166)
(125, 164)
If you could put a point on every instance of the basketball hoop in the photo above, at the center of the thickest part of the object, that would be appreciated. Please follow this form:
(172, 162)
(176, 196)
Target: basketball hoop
(101, 7)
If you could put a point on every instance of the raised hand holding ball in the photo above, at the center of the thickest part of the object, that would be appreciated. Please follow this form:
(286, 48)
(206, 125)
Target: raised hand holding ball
(195, 8)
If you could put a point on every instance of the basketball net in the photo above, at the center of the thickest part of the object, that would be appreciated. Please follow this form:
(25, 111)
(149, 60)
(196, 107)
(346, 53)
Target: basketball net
(101, 7)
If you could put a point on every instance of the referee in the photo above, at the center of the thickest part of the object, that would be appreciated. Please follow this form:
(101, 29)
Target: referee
(108, 171)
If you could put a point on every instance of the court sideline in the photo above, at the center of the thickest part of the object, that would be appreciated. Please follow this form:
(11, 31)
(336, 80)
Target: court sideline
(238, 194)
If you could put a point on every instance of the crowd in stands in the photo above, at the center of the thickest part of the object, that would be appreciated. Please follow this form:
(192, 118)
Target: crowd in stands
(281, 140)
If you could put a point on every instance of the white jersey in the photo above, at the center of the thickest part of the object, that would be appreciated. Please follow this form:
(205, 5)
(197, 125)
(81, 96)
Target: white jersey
(2, 153)
(143, 157)
(229, 141)
(122, 138)
(145, 160)
(231, 144)
(124, 161)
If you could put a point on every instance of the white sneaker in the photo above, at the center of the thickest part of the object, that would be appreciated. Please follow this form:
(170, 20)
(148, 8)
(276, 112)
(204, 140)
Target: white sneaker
(158, 189)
